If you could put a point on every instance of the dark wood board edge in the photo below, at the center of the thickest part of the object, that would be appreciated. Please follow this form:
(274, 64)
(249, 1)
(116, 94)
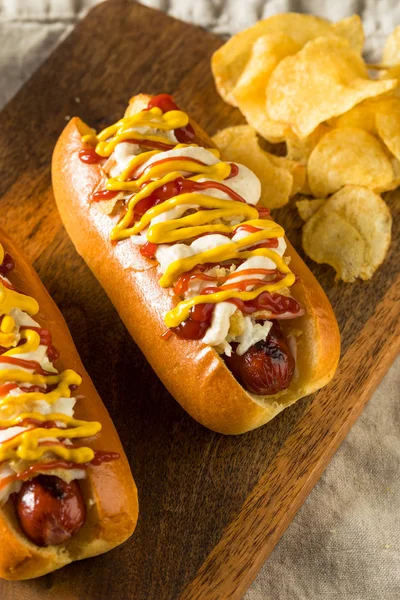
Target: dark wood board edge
(230, 568)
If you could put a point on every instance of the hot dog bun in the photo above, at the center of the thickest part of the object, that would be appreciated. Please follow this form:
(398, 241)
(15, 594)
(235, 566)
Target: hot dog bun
(109, 490)
(193, 372)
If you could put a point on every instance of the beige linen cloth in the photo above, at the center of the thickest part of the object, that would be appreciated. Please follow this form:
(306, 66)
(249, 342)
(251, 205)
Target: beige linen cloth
(344, 543)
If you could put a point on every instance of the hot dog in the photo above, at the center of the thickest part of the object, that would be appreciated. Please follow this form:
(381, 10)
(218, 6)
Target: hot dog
(226, 312)
(50, 510)
(66, 490)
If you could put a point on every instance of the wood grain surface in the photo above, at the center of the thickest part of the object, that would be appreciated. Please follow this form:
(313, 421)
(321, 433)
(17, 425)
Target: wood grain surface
(212, 507)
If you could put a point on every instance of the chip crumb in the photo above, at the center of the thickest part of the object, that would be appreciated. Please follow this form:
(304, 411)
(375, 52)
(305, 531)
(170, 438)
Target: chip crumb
(77, 99)
(67, 117)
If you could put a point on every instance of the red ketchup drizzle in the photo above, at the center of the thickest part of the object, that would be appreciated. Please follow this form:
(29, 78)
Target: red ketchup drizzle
(276, 304)
(199, 320)
(7, 387)
(248, 228)
(234, 171)
(163, 101)
(263, 212)
(99, 458)
(89, 156)
(184, 135)
(7, 265)
(148, 250)
(167, 160)
(46, 340)
(35, 422)
(38, 388)
(177, 187)
(167, 334)
(183, 282)
(271, 243)
(150, 144)
(9, 286)
(104, 195)
(25, 364)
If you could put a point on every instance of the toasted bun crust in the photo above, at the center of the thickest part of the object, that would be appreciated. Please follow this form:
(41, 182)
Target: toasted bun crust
(193, 372)
(109, 490)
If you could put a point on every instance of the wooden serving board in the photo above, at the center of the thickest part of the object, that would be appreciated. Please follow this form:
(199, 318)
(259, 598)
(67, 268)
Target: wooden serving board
(212, 507)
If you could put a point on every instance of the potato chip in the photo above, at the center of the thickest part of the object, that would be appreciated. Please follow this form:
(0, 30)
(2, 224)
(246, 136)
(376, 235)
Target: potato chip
(348, 156)
(396, 178)
(240, 144)
(392, 73)
(391, 50)
(395, 183)
(388, 125)
(267, 52)
(306, 190)
(297, 169)
(351, 232)
(361, 116)
(351, 28)
(364, 115)
(300, 149)
(228, 62)
(323, 80)
(307, 208)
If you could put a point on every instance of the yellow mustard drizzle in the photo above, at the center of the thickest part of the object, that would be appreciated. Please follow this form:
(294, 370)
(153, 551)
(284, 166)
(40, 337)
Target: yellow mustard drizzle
(26, 445)
(10, 299)
(7, 331)
(180, 229)
(122, 130)
(32, 342)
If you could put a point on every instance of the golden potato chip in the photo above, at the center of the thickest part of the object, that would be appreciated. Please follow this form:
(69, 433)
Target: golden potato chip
(323, 80)
(307, 208)
(392, 73)
(300, 149)
(240, 144)
(297, 169)
(351, 28)
(306, 190)
(267, 52)
(351, 232)
(228, 62)
(388, 125)
(395, 183)
(391, 50)
(348, 156)
(361, 116)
